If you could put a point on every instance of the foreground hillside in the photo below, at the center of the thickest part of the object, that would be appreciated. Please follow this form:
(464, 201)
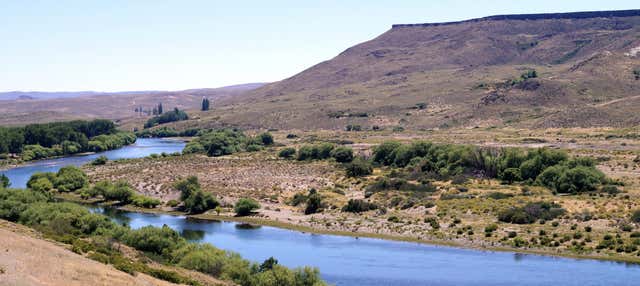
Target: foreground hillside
(27, 260)
(473, 73)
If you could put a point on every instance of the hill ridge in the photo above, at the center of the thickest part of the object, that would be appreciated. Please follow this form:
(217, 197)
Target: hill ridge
(539, 16)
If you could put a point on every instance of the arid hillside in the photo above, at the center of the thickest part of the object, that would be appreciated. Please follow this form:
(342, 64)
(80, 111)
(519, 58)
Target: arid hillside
(26, 259)
(463, 74)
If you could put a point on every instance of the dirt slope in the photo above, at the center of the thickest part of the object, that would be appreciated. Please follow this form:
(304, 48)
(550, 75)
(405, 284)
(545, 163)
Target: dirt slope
(26, 260)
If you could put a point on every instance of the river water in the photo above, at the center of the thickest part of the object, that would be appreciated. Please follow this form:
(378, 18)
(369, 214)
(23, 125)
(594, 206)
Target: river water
(357, 261)
(141, 148)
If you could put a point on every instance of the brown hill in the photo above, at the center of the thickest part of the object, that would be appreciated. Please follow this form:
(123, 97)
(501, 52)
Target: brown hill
(112, 106)
(463, 74)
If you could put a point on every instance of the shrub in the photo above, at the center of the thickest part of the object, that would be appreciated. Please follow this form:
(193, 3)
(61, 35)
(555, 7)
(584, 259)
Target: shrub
(531, 212)
(635, 216)
(41, 185)
(491, 228)
(287, 153)
(384, 153)
(4, 181)
(195, 200)
(433, 222)
(120, 191)
(158, 240)
(266, 138)
(144, 202)
(203, 258)
(393, 219)
(199, 202)
(100, 161)
(51, 177)
(499, 195)
(511, 175)
(358, 167)
(14, 201)
(318, 151)
(187, 186)
(245, 206)
(342, 154)
(564, 179)
(193, 147)
(357, 206)
(314, 203)
(253, 148)
(70, 178)
(610, 189)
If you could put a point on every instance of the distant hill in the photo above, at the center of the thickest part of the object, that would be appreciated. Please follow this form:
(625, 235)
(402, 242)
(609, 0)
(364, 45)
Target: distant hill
(28, 95)
(33, 107)
(464, 74)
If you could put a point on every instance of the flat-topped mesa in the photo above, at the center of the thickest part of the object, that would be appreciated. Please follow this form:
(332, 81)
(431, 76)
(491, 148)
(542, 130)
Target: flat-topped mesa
(544, 16)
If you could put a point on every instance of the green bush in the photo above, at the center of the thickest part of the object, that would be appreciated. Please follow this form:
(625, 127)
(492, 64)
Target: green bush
(245, 206)
(144, 201)
(199, 202)
(195, 200)
(287, 153)
(342, 154)
(266, 138)
(384, 153)
(157, 240)
(41, 185)
(511, 175)
(635, 216)
(314, 203)
(51, 177)
(193, 147)
(564, 179)
(531, 213)
(63, 218)
(70, 178)
(359, 167)
(14, 201)
(318, 151)
(203, 258)
(187, 187)
(357, 206)
(120, 191)
(100, 161)
(4, 181)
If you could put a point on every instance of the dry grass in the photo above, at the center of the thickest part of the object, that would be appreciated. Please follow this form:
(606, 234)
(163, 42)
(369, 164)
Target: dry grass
(28, 260)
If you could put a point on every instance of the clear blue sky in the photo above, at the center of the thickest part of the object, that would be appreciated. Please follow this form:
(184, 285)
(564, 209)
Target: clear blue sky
(168, 45)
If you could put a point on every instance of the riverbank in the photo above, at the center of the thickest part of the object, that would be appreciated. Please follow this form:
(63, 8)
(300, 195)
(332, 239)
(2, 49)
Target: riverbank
(436, 242)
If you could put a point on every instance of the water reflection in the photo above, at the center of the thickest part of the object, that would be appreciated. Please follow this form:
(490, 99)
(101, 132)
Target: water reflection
(246, 226)
(192, 235)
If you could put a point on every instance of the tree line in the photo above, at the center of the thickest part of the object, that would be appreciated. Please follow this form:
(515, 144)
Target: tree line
(35, 141)
(172, 116)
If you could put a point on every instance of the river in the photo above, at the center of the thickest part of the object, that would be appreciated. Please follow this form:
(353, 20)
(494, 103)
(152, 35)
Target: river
(143, 147)
(357, 261)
